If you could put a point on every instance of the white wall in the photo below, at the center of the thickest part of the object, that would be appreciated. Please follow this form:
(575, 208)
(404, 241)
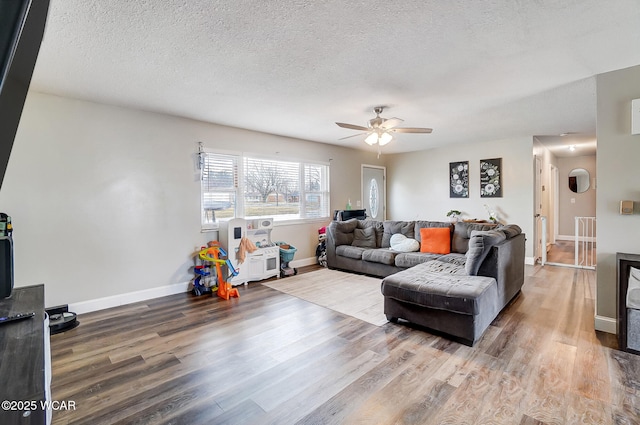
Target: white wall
(418, 183)
(584, 204)
(105, 200)
(618, 179)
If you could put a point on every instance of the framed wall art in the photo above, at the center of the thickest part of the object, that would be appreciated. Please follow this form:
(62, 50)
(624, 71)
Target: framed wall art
(459, 179)
(491, 178)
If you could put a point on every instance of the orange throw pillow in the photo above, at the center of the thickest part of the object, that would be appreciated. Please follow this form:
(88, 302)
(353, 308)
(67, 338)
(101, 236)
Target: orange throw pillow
(435, 240)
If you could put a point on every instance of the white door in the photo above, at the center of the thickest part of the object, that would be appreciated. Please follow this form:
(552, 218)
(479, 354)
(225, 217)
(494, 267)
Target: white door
(538, 206)
(374, 191)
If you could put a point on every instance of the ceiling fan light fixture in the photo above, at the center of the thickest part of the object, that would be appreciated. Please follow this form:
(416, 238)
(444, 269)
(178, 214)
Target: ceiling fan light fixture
(385, 138)
(371, 139)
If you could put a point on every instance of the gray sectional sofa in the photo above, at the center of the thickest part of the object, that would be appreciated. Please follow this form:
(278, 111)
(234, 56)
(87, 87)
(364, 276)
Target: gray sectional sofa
(459, 293)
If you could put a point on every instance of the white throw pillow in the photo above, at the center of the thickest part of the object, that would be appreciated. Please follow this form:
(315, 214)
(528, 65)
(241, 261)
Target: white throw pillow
(401, 243)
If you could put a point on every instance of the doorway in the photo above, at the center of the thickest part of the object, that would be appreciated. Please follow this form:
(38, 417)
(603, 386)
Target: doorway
(567, 209)
(374, 191)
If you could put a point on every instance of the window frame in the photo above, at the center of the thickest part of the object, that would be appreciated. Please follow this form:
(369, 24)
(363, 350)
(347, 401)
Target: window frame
(240, 189)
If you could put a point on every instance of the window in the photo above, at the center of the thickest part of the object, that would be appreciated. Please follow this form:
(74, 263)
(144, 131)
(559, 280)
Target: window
(252, 187)
(218, 188)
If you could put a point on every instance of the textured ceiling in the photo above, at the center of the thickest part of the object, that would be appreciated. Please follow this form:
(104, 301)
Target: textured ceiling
(471, 70)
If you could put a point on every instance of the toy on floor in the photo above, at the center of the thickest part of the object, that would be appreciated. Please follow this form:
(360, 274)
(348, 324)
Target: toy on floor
(286, 255)
(321, 249)
(212, 254)
(202, 283)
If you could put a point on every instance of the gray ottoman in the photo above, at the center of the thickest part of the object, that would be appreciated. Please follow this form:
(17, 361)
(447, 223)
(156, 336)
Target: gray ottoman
(442, 297)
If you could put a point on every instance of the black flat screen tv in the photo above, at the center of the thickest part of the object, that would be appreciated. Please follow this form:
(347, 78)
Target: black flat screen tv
(22, 24)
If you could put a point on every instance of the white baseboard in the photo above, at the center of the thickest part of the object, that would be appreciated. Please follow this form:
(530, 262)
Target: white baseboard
(606, 324)
(304, 262)
(530, 261)
(128, 298)
(147, 294)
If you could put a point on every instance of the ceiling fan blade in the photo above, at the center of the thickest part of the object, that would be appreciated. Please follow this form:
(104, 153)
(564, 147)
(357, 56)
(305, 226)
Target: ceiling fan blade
(355, 135)
(390, 123)
(411, 130)
(352, 126)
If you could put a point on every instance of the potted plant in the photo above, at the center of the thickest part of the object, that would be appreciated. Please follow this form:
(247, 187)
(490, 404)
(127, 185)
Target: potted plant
(493, 216)
(453, 215)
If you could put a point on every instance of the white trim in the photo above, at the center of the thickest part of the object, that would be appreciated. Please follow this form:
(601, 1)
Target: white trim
(128, 298)
(606, 324)
(295, 221)
(530, 261)
(148, 294)
(304, 262)
(573, 238)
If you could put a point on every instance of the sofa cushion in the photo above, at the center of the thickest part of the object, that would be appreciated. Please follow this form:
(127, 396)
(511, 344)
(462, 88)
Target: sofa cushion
(380, 255)
(453, 292)
(407, 228)
(479, 245)
(349, 251)
(462, 233)
(364, 238)
(423, 224)
(410, 259)
(442, 267)
(344, 231)
(401, 243)
(436, 240)
(454, 258)
(510, 230)
(376, 226)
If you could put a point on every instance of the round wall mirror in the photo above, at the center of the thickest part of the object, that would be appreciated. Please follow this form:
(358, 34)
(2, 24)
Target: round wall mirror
(579, 180)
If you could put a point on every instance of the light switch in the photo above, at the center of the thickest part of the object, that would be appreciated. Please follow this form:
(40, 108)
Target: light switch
(573, 200)
(626, 207)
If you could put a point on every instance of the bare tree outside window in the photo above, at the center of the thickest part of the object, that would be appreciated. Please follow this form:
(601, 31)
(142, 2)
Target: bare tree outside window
(264, 178)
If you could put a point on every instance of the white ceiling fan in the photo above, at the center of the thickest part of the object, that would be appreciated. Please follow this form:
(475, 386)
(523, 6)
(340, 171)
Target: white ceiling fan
(380, 130)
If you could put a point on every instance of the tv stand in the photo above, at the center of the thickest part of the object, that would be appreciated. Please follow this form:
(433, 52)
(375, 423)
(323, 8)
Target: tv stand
(25, 359)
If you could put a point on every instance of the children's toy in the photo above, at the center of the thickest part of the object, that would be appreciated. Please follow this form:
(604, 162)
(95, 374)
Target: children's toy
(286, 254)
(212, 254)
(321, 249)
(201, 284)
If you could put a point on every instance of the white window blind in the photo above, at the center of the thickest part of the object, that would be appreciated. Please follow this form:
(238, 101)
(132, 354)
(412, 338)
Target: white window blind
(316, 192)
(219, 188)
(250, 187)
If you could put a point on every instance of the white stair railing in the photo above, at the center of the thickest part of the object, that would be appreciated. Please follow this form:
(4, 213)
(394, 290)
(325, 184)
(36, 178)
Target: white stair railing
(542, 231)
(585, 239)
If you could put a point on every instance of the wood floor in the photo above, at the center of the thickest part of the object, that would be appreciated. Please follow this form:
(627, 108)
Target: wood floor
(564, 252)
(271, 358)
